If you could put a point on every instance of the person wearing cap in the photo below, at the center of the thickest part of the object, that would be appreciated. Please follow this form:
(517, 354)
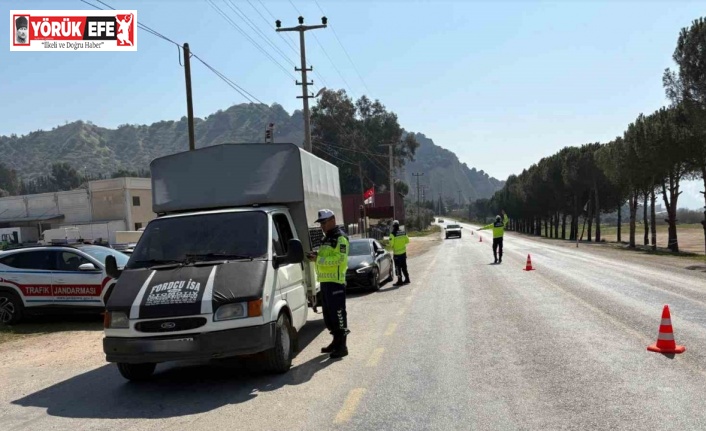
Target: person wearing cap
(398, 242)
(331, 267)
(21, 25)
(498, 234)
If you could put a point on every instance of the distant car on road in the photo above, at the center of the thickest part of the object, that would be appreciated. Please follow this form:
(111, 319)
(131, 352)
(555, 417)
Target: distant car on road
(441, 220)
(453, 230)
(369, 264)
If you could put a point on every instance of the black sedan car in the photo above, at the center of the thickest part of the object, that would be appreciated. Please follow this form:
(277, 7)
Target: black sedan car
(369, 264)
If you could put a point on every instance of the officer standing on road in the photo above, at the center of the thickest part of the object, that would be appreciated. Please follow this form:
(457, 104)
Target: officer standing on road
(331, 266)
(498, 233)
(399, 241)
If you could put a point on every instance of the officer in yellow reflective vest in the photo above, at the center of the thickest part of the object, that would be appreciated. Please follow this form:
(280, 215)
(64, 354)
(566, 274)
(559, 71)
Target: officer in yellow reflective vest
(331, 267)
(498, 233)
(399, 241)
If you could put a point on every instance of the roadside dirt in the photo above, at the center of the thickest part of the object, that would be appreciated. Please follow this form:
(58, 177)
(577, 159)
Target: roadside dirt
(422, 244)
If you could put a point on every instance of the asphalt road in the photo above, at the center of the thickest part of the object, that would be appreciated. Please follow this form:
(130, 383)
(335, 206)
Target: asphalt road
(468, 345)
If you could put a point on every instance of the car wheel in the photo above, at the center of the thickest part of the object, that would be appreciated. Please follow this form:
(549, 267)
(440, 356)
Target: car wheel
(11, 308)
(375, 284)
(279, 359)
(136, 372)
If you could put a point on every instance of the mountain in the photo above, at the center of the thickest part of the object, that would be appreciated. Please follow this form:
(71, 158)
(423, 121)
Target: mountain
(443, 172)
(94, 150)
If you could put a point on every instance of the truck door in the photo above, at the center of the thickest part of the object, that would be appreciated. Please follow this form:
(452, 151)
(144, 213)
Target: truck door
(73, 286)
(290, 278)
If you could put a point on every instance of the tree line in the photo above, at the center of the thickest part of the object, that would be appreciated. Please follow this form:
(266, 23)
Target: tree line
(62, 177)
(648, 162)
(350, 134)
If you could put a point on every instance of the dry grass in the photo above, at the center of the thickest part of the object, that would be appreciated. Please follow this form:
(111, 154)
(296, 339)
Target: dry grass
(690, 236)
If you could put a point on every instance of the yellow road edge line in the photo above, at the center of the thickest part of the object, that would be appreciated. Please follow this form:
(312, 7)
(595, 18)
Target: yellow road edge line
(391, 329)
(401, 311)
(375, 357)
(349, 405)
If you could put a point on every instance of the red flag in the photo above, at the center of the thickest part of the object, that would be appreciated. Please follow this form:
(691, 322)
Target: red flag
(369, 196)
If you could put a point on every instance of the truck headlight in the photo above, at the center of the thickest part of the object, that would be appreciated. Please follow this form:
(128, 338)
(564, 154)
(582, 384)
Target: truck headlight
(116, 320)
(231, 311)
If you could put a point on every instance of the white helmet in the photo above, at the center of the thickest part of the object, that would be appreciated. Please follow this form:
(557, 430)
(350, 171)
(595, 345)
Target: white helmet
(396, 223)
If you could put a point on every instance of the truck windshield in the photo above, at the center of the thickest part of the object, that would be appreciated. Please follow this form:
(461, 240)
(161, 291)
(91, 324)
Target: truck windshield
(235, 235)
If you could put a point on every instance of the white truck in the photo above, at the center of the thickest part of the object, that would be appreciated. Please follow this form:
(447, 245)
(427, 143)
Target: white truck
(12, 236)
(221, 271)
(61, 235)
(105, 232)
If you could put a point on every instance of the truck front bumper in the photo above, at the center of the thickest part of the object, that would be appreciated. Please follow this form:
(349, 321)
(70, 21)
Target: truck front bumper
(202, 346)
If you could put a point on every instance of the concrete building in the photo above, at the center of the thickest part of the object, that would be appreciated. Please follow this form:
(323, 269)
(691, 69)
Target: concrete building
(121, 203)
(128, 199)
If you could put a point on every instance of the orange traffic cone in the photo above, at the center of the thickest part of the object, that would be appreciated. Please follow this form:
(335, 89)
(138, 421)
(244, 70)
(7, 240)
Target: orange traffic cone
(665, 339)
(481, 238)
(529, 264)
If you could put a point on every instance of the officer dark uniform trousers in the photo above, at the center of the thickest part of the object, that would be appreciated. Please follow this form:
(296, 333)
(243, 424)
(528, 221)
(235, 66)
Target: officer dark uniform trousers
(331, 267)
(498, 233)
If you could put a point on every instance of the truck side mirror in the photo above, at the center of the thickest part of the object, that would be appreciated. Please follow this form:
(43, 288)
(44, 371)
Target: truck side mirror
(295, 254)
(111, 267)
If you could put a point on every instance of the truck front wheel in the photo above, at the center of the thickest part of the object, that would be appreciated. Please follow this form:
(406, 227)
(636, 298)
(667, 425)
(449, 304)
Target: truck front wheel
(279, 359)
(136, 372)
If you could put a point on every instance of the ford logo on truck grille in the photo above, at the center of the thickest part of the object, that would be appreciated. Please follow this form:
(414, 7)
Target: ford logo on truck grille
(171, 325)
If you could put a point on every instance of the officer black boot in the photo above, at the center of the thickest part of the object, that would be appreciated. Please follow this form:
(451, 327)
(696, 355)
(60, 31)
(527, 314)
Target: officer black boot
(399, 281)
(331, 347)
(341, 348)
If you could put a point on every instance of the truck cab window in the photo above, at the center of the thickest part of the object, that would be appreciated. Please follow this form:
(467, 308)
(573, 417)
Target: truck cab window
(277, 248)
(284, 230)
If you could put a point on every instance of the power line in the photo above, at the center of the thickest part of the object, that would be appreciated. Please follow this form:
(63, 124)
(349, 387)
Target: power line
(345, 50)
(334, 65)
(240, 90)
(287, 41)
(237, 27)
(338, 147)
(326, 54)
(345, 161)
(252, 25)
(274, 19)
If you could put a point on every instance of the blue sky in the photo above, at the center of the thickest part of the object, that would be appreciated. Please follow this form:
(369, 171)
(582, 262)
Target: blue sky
(500, 83)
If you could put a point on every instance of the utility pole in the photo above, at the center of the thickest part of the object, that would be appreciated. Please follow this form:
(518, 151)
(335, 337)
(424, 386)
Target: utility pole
(459, 199)
(189, 101)
(418, 175)
(362, 193)
(301, 28)
(392, 180)
(441, 197)
(270, 134)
